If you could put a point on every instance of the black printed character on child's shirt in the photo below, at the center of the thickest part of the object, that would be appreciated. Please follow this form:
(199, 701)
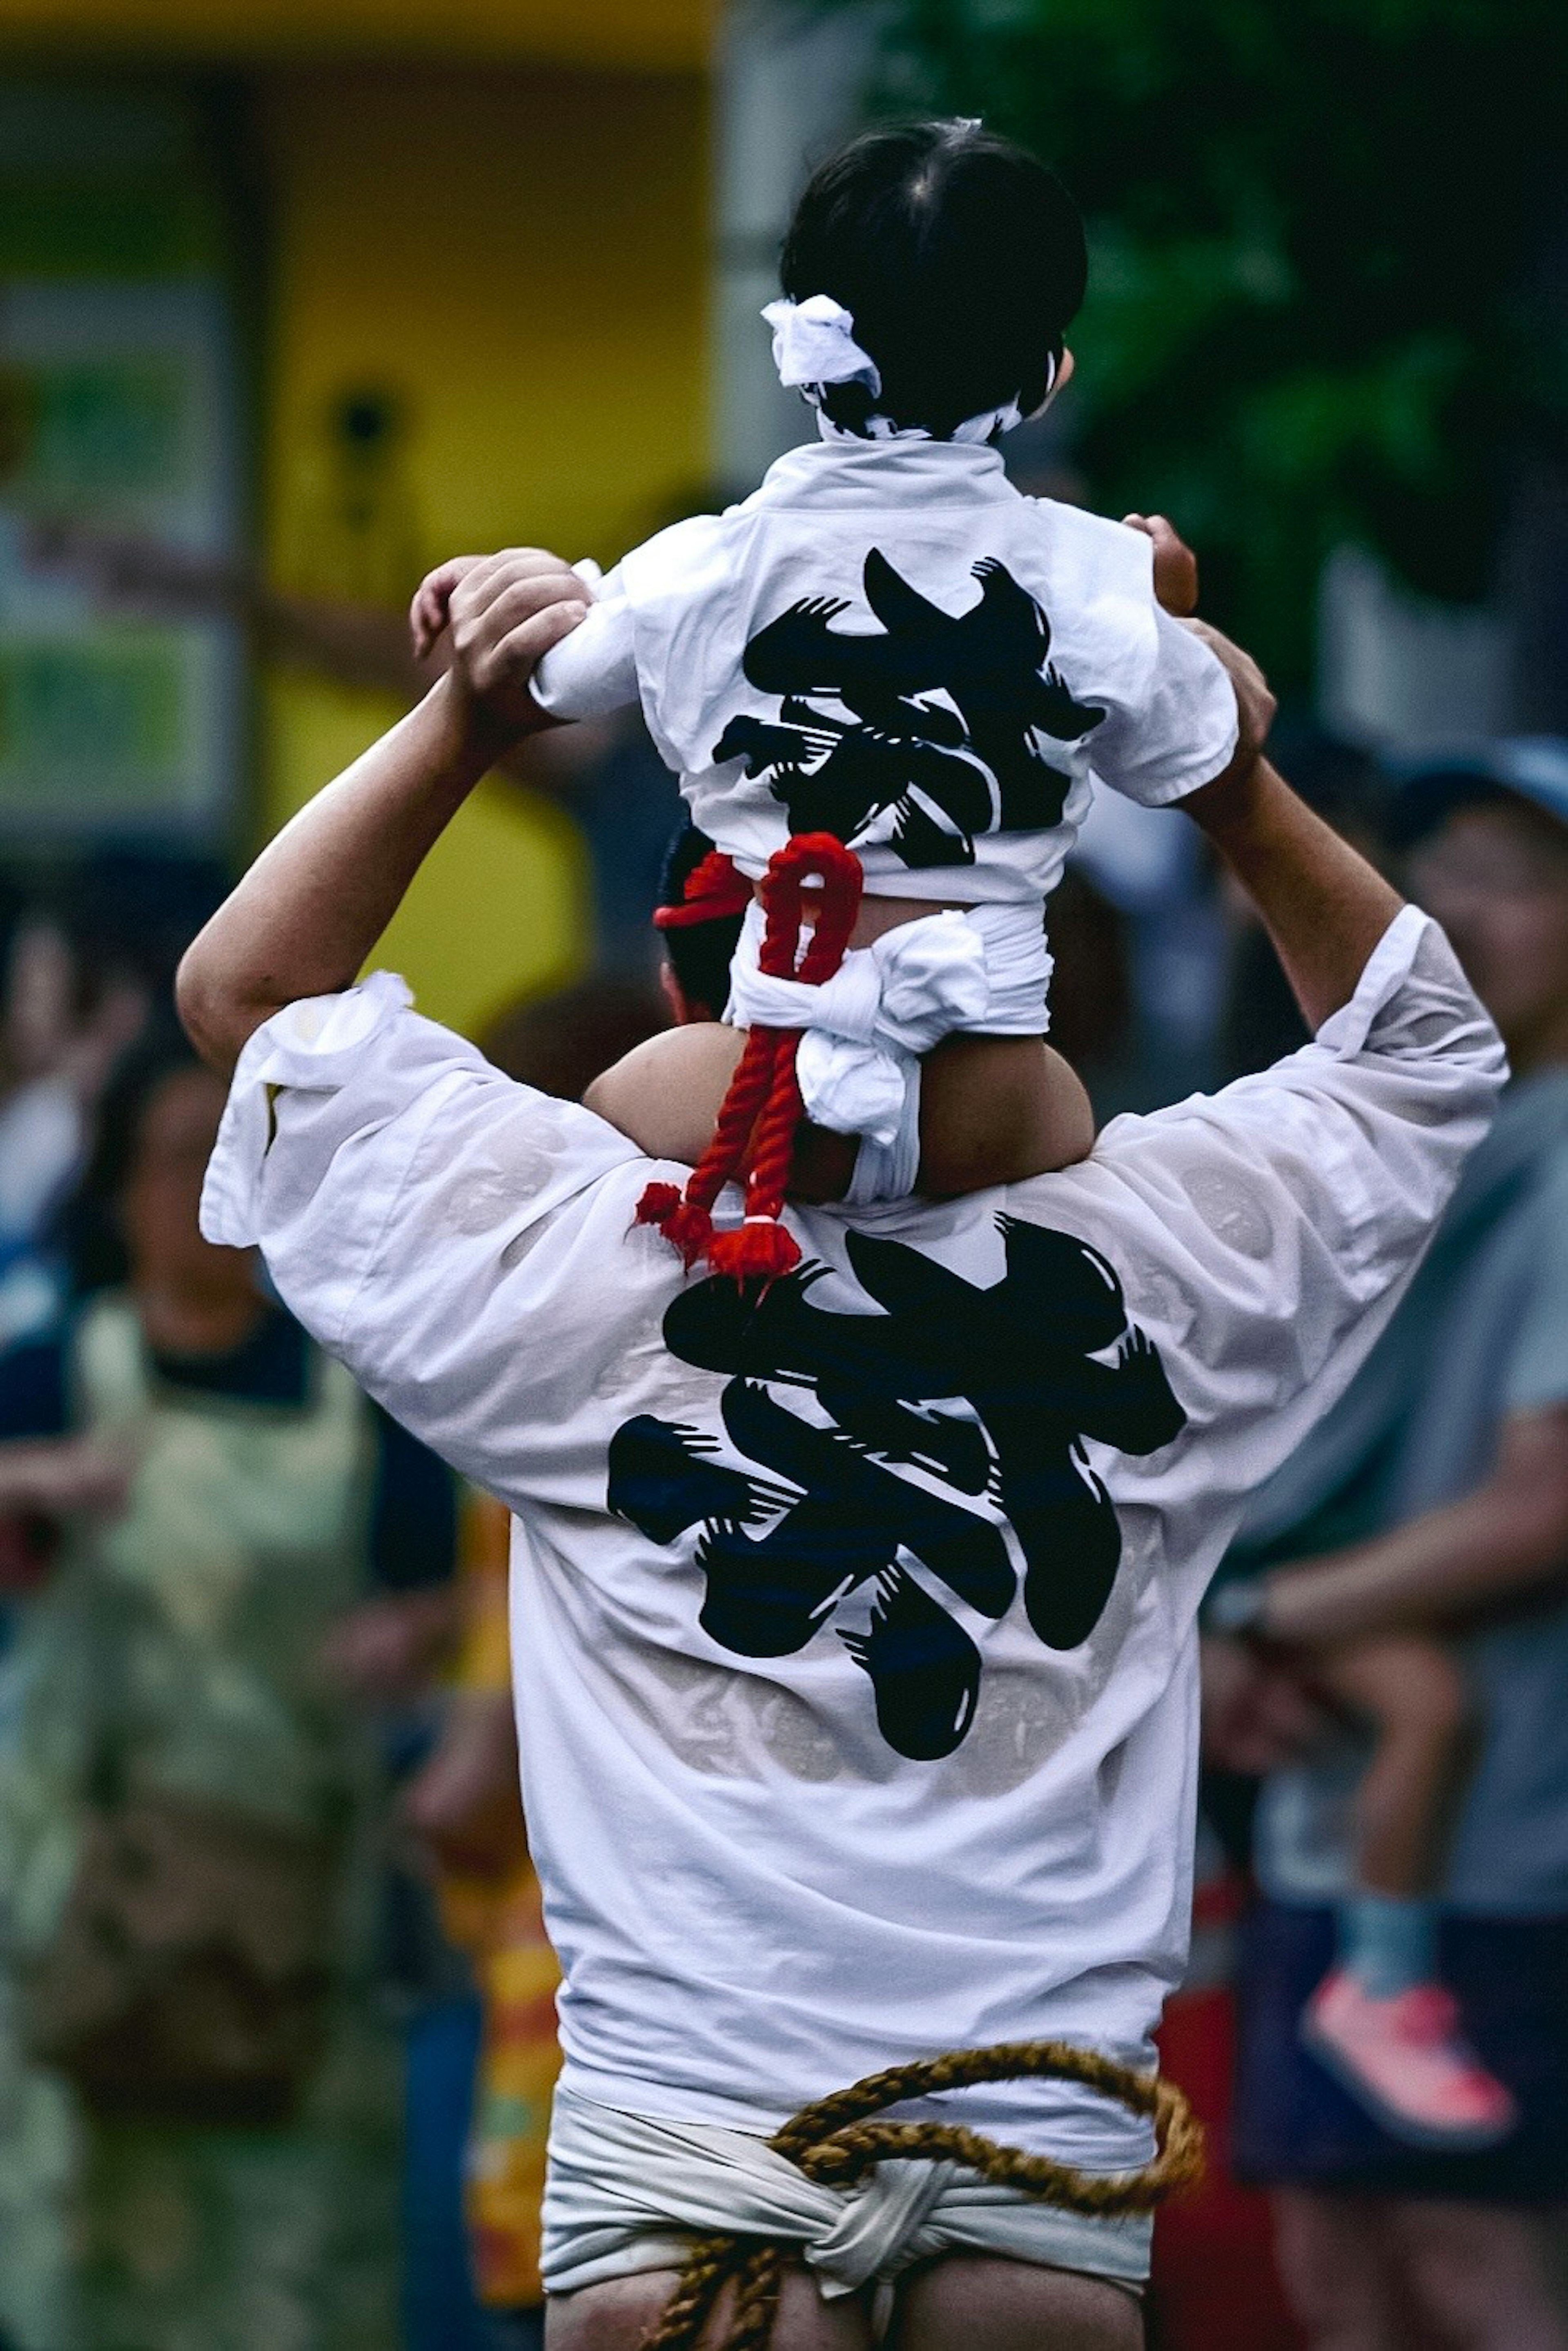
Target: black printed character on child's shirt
(947, 769)
(1024, 1354)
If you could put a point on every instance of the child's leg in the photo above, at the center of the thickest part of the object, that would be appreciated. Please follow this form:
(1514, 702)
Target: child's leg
(1414, 1695)
(994, 1110)
(1380, 2020)
(667, 1093)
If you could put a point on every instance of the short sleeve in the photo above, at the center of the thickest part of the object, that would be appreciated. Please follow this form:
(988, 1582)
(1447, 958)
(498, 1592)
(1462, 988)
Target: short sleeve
(592, 672)
(1180, 731)
(1537, 1374)
(335, 1101)
(1287, 1213)
(1369, 1125)
(425, 1218)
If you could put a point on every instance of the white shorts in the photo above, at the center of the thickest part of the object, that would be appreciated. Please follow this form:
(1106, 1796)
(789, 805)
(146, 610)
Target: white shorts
(626, 2192)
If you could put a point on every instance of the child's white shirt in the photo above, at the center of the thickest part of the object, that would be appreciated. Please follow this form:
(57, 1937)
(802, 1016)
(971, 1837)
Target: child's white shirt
(888, 640)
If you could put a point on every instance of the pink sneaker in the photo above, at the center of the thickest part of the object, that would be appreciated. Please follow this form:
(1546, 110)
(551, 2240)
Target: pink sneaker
(1403, 2060)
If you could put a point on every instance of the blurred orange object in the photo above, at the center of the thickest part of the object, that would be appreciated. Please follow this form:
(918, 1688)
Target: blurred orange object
(494, 1916)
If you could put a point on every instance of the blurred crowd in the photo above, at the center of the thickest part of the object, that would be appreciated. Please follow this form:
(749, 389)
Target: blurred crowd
(277, 2022)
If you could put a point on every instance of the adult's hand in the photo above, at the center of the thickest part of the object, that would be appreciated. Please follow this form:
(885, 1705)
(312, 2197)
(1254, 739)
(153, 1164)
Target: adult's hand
(1255, 704)
(1257, 1715)
(503, 613)
(463, 1805)
(392, 1646)
(1505, 1542)
(64, 1476)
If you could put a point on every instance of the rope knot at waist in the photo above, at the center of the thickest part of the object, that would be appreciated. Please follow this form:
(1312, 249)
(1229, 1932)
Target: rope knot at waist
(878, 2231)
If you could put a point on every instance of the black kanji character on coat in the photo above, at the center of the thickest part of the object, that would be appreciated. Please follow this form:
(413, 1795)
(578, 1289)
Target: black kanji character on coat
(779, 1552)
(948, 769)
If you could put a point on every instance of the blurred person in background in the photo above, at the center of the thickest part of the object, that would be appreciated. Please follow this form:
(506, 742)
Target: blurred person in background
(197, 2108)
(1433, 1501)
(604, 772)
(66, 1014)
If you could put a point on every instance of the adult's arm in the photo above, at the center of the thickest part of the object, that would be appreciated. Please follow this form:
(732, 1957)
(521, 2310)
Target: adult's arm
(311, 908)
(1322, 906)
(1502, 1541)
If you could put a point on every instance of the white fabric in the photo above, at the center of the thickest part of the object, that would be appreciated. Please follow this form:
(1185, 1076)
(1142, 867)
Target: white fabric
(625, 2192)
(814, 345)
(754, 1897)
(989, 425)
(673, 621)
(814, 342)
(866, 1028)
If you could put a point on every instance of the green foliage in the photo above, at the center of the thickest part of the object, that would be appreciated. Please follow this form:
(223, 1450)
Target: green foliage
(1318, 227)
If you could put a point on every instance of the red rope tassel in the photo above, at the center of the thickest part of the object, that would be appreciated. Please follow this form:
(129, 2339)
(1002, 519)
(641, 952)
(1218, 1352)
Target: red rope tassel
(762, 1110)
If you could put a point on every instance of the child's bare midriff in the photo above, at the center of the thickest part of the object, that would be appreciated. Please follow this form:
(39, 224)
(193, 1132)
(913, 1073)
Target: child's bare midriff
(879, 915)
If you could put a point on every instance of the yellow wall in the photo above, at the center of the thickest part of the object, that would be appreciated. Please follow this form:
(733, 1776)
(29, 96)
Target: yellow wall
(522, 254)
(664, 34)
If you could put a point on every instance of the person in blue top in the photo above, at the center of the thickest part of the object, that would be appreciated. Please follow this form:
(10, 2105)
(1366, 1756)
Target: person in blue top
(1433, 1503)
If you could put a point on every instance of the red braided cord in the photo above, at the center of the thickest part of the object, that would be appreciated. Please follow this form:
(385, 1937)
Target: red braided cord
(762, 1110)
(773, 1144)
(763, 1248)
(748, 1090)
(839, 902)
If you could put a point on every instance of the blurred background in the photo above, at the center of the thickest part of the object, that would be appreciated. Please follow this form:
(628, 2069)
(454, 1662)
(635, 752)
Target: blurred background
(299, 296)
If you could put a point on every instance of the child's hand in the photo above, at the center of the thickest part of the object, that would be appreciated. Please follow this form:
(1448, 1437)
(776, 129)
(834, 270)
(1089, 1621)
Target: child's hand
(1175, 565)
(431, 607)
(431, 612)
(501, 614)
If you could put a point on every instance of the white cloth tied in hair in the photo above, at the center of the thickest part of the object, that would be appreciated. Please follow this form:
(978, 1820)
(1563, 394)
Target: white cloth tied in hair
(814, 344)
(626, 2192)
(866, 1028)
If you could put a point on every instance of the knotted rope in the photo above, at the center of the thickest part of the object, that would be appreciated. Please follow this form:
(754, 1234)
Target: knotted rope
(836, 2143)
(762, 1110)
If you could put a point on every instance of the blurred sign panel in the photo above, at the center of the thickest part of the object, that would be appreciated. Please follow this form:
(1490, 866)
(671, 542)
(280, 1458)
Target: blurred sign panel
(118, 412)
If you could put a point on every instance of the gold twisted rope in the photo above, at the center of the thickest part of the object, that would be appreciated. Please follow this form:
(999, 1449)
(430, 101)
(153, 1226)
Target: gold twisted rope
(835, 2142)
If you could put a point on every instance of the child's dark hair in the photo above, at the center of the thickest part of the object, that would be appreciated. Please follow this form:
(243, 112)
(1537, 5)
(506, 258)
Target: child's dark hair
(961, 260)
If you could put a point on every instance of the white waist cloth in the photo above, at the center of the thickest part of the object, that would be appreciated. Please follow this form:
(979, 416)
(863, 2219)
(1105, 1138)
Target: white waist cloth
(626, 2192)
(983, 967)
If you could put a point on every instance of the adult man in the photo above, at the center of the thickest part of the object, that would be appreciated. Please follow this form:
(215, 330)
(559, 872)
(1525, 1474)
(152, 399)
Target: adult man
(1434, 1499)
(853, 1617)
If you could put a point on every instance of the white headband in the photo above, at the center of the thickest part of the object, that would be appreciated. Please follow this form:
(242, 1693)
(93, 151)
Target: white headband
(814, 344)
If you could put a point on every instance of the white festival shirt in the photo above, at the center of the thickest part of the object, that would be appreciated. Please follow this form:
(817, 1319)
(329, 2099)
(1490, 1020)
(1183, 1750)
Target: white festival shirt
(829, 1761)
(888, 642)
